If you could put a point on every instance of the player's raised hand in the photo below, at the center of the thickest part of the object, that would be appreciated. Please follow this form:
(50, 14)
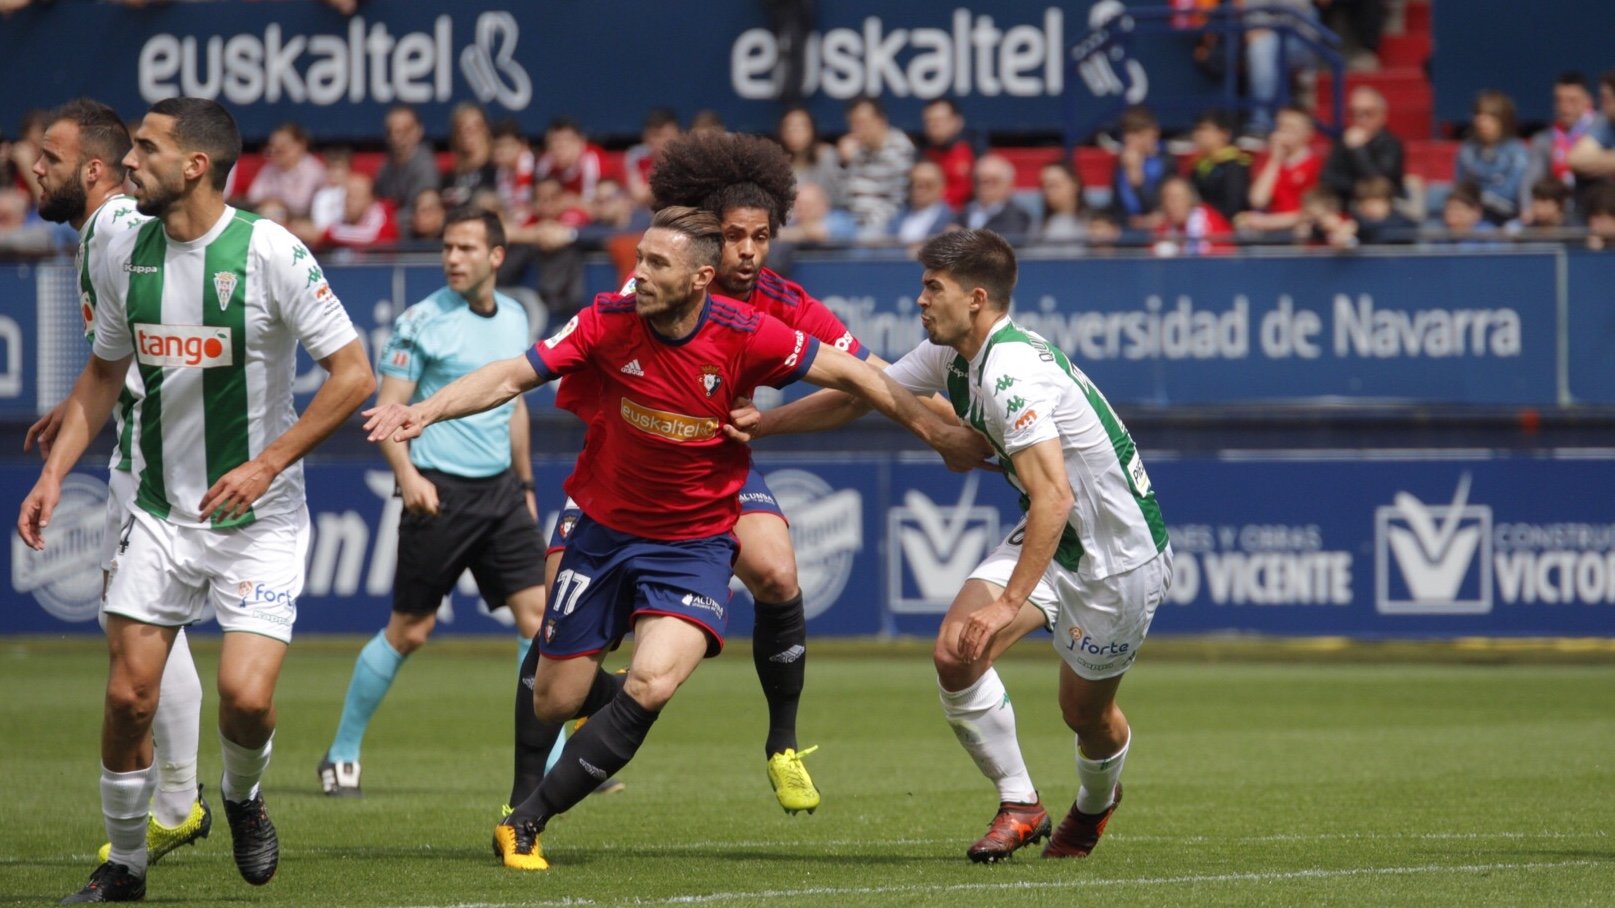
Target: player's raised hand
(34, 516)
(744, 419)
(235, 491)
(44, 431)
(393, 422)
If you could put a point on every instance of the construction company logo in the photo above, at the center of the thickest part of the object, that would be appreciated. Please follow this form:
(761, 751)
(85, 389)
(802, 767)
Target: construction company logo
(65, 578)
(827, 531)
(1433, 559)
(675, 427)
(710, 379)
(194, 346)
(935, 547)
(367, 64)
(706, 603)
(224, 287)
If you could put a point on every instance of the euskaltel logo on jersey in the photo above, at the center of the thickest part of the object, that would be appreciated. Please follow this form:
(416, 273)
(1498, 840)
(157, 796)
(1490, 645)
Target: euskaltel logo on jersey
(675, 427)
(197, 346)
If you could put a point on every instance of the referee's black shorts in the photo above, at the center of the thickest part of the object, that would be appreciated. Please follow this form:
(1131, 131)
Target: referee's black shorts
(481, 524)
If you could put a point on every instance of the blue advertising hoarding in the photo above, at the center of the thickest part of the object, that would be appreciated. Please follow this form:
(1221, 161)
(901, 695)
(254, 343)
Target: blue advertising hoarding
(605, 63)
(1363, 544)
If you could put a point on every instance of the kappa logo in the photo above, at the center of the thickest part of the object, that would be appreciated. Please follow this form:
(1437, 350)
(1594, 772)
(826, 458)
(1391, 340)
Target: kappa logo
(1433, 559)
(937, 547)
(633, 368)
(710, 379)
(224, 287)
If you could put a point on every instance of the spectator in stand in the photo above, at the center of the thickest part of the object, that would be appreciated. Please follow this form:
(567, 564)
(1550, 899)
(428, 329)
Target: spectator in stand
(411, 167)
(951, 147)
(471, 143)
(994, 206)
(1187, 225)
(1064, 219)
(326, 209)
(426, 216)
(1285, 175)
(547, 243)
(1378, 221)
(812, 160)
(514, 165)
(1601, 217)
(661, 126)
(275, 210)
(1365, 149)
(1140, 168)
(1464, 219)
(569, 158)
(1549, 207)
(22, 232)
(707, 120)
(1323, 223)
(1271, 57)
(814, 222)
(927, 212)
(1493, 158)
(19, 161)
(613, 211)
(1573, 116)
(366, 220)
(1593, 156)
(290, 173)
(875, 159)
(1222, 172)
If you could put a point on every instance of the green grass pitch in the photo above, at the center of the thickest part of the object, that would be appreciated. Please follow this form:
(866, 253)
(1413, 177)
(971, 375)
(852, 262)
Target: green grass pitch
(1299, 782)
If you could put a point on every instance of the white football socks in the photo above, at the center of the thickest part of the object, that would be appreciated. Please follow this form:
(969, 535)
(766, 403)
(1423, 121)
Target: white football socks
(175, 732)
(1098, 778)
(984, 722)
(243, 768)
(124, 796)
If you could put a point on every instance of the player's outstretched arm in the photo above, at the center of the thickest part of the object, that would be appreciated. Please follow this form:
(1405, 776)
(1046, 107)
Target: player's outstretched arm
(82, 415)
(348, 383)
(43, 431)
(1041, 469)
(474, 392)
(961, 449)
(817, 412)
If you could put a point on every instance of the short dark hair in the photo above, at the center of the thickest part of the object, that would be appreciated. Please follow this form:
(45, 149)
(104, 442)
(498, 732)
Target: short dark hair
(1465, 193)
(658, 117)
(493, 227)
(1550, 189)
(1374, 187)
(869, 100)
(507, 128)
(974, 258)
(563, 124)
(205, 126)
(1601, 200)
(1607, 80)
(1138, 118)
(102, 133)
(1217, 118)
(702, 227)
(720, 172)
(945, 101)
(1572, 77)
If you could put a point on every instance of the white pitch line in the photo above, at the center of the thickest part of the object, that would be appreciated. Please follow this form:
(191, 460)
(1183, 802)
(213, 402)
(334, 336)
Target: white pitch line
(1109, 884)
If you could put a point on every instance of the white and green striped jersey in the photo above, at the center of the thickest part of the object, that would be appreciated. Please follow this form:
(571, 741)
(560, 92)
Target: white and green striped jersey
(213, 325)
(1018, 391)
(116, 216)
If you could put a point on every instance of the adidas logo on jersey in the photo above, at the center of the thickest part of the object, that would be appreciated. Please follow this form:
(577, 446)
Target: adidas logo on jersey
(633, 369)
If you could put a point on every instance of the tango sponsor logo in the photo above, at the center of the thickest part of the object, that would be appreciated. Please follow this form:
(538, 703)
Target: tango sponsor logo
(196, 346)
(674, 427)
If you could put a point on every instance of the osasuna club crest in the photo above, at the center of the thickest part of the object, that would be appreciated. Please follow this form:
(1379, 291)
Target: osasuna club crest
(710, 379)
(224, 284)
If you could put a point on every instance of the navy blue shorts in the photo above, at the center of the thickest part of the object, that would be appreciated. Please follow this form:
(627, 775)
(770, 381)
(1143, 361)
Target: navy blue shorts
(755, 498)
(607, 579)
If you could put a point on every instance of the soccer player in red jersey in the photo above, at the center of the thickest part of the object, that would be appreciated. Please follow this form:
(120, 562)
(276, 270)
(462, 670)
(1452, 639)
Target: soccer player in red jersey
(747, 182)
(652, 550)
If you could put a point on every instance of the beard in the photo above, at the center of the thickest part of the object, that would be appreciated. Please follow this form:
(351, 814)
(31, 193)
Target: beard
(65, 204)
(153, 199)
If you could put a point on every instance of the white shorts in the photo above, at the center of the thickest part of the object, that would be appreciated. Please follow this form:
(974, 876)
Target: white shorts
(167, 575)
(1098, 625)
(120, 496)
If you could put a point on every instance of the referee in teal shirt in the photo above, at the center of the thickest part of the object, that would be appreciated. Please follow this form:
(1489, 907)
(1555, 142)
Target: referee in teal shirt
(467, 484)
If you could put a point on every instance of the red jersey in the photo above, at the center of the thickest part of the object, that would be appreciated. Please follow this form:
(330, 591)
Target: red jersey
(1293, 182)
(784, 299)
(655, 462)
